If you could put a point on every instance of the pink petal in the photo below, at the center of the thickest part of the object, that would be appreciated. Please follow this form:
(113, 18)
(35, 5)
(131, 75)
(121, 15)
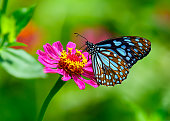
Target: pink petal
(88, 69)
(89, 57)
(90, 82)
(49, 70)
(79, 83)
(58, 47)
(66, 77)
(71, 45)
(50, 51)
(88, 75)
(50, 60)
(46, 62)
(86, 54)
(60, 71)
(79, 50)
(41, 53)
(89, 64)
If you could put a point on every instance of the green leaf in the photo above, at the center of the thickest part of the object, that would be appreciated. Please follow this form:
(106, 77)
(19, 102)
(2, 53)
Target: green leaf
(8, 27)
(22, 17)
(20, 64)
(16, 44)
(4, 6)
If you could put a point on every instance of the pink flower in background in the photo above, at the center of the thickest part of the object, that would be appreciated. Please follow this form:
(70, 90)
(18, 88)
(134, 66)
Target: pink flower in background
(94, 35)
(71, 63)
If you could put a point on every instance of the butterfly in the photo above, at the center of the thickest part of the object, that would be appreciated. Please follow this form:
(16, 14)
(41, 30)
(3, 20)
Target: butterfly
(112, 58)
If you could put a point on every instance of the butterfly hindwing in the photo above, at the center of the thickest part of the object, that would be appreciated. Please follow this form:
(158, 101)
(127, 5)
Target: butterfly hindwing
(109, 68)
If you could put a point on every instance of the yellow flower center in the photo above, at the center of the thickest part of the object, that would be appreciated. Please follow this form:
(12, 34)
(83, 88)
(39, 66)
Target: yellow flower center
(72, 63)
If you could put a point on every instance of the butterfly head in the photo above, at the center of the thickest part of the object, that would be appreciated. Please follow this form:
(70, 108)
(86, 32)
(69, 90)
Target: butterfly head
(91, 48)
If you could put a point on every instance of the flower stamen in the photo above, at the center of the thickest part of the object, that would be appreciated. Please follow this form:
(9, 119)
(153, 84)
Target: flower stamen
(72, 63)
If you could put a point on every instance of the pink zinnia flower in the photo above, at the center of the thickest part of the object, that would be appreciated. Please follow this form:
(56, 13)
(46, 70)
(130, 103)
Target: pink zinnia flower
(71, 63)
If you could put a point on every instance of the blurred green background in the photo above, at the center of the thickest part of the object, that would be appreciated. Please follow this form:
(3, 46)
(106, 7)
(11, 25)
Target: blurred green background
(143, 96)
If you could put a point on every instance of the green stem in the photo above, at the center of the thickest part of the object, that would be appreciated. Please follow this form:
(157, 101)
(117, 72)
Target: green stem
(4, 39)
(4, 6)
(2, 11)
(48, 99)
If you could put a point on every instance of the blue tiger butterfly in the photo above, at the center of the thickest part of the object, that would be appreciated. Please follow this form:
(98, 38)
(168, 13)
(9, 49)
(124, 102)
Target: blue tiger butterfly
(112, 58)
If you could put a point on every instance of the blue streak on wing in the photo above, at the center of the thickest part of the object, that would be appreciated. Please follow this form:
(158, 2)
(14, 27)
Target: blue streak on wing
(121, 51)
(131, 44)
(105, 60)
(106, 52)
(127, 40)
(123, 46)
(113, 63)
(140, 44)
(105, 45)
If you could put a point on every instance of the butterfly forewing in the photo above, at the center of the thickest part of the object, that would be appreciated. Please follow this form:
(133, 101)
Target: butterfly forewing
(129, 48)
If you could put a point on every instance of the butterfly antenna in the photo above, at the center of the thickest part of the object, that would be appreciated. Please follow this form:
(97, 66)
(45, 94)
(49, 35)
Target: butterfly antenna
(77, 34)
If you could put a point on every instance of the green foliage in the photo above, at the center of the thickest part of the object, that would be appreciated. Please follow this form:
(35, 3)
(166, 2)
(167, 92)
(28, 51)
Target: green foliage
(16, 62)
(22, 17)
(143, 96)
(8, 27)
(15, 44)
(20, 64)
